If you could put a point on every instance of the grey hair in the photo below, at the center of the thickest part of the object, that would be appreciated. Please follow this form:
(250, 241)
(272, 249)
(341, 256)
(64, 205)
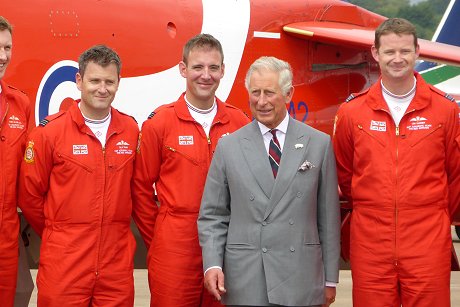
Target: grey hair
(275, 65)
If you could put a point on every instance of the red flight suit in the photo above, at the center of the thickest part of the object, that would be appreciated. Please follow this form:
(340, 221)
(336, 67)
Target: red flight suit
(15, 112)
(401, 181)
(175, 155)
(75, 194)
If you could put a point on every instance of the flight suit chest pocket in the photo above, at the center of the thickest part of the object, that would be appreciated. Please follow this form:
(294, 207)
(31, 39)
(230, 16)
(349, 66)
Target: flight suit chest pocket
(68, 162)
(432, 134)
(371, 134)
(180, 154)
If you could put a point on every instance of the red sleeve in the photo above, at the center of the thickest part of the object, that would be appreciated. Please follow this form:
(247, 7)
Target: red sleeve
(34, 178)
(344, 150)
(453, 163)
(146, 171)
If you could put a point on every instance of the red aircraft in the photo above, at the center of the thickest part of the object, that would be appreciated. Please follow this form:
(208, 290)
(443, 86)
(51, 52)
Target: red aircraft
(326, 42)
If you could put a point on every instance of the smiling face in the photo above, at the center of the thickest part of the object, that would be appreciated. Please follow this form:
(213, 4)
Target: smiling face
(6, 44)
(266, 98)
(204, 70)
(396, 56)
(98, 86)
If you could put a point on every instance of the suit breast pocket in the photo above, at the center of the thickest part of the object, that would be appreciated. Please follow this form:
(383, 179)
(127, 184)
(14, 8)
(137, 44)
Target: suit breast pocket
(70, 164)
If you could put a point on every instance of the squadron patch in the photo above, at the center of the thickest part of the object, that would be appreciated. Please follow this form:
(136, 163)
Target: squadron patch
(29, 153)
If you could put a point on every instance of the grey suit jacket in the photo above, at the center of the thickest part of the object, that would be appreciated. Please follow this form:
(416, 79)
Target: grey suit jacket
(276, 240)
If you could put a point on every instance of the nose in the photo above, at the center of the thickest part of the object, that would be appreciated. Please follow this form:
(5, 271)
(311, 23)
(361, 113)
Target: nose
(206, 73)
(102, 88)
(3, 54)
(262, 99)
(398, 57)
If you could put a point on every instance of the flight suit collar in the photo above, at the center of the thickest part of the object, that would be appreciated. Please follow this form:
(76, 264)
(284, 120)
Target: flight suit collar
(181, 109)
(115, 126)
(421, 99)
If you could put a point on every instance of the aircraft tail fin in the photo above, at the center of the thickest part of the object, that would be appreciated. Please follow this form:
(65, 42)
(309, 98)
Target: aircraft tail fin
(447, 31)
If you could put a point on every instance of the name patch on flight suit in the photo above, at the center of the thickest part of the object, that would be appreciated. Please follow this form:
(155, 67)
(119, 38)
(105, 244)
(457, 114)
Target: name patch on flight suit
(123, 148)
(15, 123)
(185, 139)
(418, 123)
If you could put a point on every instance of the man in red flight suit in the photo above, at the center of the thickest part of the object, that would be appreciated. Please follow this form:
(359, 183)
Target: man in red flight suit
(75, 193)
(398, 150)
(14, 117)
(176, 148)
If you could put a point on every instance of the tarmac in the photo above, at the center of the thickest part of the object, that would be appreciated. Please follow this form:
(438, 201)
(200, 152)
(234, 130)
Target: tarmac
(343, 299)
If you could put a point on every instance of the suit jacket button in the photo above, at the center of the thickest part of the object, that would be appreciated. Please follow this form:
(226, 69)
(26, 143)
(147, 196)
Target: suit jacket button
(251, 197)
(264, 249)
(292, 249)
(264, 223)
(299, 194)
(291, 222)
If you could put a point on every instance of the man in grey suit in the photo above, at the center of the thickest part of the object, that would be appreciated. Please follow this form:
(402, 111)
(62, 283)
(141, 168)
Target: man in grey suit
(269, 219)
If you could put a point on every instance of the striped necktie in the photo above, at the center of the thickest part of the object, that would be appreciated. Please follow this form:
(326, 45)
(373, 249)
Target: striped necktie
(274, 153)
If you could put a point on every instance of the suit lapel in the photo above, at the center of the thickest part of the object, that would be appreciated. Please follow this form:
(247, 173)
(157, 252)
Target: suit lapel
(291, 159)
(256, 157)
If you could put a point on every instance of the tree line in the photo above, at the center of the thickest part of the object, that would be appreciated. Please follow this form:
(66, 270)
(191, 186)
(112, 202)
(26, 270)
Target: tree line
(425, 15)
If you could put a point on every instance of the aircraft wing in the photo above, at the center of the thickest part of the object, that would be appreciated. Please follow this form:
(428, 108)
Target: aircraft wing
(361, 37)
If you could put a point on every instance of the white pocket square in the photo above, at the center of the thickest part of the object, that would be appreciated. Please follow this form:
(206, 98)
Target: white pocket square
(298, 146)
(306, 165)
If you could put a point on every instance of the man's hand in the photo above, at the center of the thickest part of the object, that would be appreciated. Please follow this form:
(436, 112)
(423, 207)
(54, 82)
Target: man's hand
(214, 282)
(329, 293)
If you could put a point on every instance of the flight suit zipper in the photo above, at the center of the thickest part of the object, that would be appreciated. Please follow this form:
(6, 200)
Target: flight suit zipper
(396, 187)
(182, 154)
(101, 211)
(2, 157)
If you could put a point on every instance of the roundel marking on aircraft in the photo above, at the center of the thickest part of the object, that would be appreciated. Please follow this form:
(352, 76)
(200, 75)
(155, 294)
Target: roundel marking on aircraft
(57, 84)
(227, 20)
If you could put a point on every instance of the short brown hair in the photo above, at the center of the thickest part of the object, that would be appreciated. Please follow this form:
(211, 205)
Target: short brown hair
(202, 41)
(101, 55)
(395, 25)
(5, 25)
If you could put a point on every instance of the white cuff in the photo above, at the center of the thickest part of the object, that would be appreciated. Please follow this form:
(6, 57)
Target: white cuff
(213, 267)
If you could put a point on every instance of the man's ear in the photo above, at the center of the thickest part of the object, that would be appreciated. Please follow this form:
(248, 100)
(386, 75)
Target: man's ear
(375, 53)
(289, 94)
(78, 80)
(183, 69)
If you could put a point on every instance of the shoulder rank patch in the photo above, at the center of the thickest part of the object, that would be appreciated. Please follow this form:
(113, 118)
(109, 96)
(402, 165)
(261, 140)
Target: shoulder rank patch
(44, 122)
(151, 115)
(51, 117)
(449, 97)
(351, 97)
(355, 95)
(445, 95)
(29, 153)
